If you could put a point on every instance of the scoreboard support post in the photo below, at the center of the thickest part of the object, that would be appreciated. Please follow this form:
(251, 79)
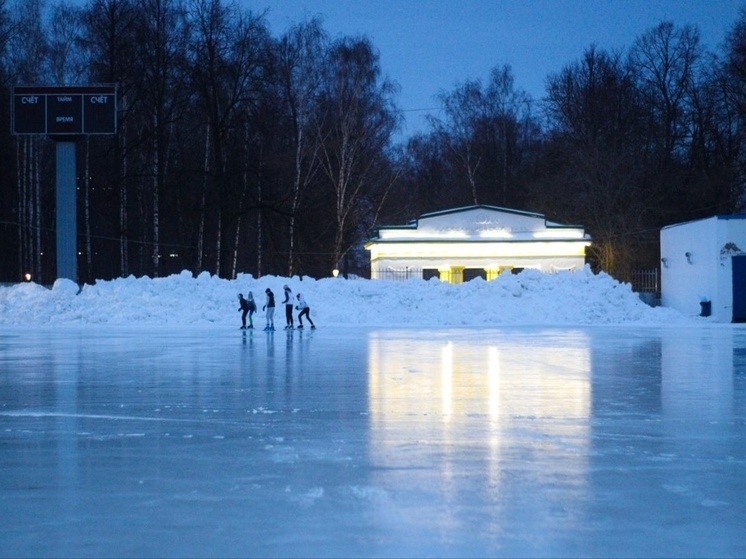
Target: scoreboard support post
(67, 215)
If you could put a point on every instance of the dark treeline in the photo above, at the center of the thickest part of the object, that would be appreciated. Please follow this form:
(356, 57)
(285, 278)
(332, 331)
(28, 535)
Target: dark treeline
(239, 152)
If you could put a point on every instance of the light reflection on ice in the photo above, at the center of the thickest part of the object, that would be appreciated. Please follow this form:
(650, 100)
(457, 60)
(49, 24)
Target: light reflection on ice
(434, 398)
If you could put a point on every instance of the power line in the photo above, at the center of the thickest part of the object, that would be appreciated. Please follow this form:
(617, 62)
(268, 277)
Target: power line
(423, 109)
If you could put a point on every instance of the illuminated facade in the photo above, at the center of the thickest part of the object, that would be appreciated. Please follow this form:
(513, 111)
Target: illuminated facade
(463, 243)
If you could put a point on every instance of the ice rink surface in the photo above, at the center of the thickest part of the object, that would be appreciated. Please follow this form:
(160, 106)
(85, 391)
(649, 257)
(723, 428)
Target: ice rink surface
(357, 442)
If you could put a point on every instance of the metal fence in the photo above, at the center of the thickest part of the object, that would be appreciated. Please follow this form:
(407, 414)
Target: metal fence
(405, 274)
(642, 281)
(645, 281)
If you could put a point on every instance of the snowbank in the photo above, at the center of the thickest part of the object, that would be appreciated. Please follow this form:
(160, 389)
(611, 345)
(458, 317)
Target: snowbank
(528, 298)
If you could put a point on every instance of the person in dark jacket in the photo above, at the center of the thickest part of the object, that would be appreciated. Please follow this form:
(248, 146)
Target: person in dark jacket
(269, 307)
(243, 306)
(288, 302)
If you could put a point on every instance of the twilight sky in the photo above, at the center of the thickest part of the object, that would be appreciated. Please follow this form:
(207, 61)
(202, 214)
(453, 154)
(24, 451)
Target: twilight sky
(427, 46)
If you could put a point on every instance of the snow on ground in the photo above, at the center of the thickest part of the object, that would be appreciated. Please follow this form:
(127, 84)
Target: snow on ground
(528, 298)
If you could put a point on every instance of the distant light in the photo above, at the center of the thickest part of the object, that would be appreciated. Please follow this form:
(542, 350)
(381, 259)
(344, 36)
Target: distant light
(495, 234)
(335, 272)
(560, 234)
(27, 276)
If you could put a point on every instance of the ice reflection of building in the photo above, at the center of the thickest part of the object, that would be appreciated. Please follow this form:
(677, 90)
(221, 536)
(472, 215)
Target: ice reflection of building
(417, 376)
(697, 375)
(430, 399)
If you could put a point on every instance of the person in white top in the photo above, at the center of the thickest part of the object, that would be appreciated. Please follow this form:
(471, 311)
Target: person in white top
(305, 310)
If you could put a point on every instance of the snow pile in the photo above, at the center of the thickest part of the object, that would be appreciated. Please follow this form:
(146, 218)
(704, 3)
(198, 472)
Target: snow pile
(528, 298)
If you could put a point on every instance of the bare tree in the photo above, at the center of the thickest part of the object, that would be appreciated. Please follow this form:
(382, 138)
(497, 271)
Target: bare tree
(664, 60)
(464, 110)
(227, 57)
(510, 129)
(110, 43)
(356, 125)
(300, 59)
(480, 145)
(161, 36)
(66, 62)
(26, 47)
(732, 80)
(595, 110)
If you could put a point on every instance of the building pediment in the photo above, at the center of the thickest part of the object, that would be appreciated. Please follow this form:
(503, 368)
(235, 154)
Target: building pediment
(480, 223)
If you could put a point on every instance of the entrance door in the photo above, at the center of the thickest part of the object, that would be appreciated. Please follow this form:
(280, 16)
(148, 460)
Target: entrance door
(471, 273)
(739, 288)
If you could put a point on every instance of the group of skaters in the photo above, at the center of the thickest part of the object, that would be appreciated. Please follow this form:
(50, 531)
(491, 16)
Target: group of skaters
(248, 307)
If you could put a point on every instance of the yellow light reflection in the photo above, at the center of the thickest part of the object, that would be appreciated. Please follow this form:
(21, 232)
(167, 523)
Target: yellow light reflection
(493, 377)
(472, 377)
(436, 397)
(446, 382)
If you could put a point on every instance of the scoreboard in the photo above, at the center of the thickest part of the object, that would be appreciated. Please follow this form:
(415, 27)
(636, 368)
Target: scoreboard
(64, 110)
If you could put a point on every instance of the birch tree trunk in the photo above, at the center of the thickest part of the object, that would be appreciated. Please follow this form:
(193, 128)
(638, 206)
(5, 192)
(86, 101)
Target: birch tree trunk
(38, 272)
(25, 204)
(259, 245)
(245, 188)
(156, 215)
(19, 183)
(296, 199)
(218, 241)
(202, 204)
(123, 244)
(87, 208)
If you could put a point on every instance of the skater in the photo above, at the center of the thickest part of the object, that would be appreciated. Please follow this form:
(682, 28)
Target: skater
(269, 307)
(288, 302)
(243, 306)
(252, 308)
(304, 309)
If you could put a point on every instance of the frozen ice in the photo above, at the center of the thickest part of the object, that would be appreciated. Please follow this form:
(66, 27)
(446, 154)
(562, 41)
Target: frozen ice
(517, 441)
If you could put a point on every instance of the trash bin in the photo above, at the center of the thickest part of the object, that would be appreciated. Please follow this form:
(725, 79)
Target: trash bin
(706, 308)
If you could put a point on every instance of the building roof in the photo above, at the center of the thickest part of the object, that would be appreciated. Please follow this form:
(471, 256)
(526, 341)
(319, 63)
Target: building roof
(721, 217)
(480, 223)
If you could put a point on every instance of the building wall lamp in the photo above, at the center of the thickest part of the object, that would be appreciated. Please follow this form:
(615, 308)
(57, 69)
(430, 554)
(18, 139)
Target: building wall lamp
(664, 261)
(689, 257)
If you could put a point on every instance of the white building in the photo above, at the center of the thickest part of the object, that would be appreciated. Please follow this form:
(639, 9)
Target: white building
(703, 267)
(463, 243)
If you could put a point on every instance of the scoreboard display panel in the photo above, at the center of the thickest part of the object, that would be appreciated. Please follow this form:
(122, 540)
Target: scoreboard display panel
(64, 110)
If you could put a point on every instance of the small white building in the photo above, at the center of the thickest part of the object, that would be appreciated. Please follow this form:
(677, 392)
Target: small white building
(463, 243)
(703, 267)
